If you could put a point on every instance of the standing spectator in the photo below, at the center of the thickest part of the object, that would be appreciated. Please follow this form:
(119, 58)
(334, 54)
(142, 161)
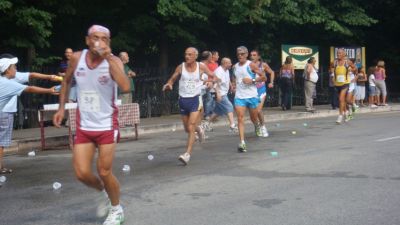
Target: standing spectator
(63, 68)
(334, 98)
(127, 97)
(360, 88)
(310, 81)
(286, 82)
(372, 88)
(380, 77)
(9, 90)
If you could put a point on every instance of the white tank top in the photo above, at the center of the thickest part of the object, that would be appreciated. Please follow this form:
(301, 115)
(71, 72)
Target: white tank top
(96, 91)
(244, 90)
(190, 84)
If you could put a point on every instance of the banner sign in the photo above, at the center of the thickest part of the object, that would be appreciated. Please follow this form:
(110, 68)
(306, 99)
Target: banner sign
(300, 55)
(356, 53)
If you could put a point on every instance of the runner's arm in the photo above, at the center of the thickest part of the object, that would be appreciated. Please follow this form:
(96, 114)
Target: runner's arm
(118, 74)
(173, 78)
(204, 69)
(271, 74)
(261, 73)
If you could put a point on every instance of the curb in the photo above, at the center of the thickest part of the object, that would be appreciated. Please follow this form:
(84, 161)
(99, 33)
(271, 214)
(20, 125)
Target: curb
(22, 146)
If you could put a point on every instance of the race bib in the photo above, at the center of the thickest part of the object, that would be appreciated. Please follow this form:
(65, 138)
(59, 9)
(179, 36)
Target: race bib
(89, 101)
(190, 86)
(340, 78)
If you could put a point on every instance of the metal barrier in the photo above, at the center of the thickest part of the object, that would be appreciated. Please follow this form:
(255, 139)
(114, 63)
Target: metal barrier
(153, 102)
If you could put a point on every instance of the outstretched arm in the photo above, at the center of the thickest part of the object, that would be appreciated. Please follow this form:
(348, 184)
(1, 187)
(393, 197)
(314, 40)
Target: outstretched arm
(172, 79)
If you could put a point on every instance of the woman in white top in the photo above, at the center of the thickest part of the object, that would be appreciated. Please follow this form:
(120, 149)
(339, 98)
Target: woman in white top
(310, 81)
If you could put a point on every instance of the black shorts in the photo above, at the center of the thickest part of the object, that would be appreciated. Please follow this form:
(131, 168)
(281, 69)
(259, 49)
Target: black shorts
(340, 88)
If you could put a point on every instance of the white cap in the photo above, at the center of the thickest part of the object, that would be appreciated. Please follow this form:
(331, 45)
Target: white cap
(6, 62)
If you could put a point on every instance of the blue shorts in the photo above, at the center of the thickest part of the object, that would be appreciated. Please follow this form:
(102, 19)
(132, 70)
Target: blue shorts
(372, 91)
(251, 103)
(6, 128)
(189, 105)
(262, 92)
(223, 107)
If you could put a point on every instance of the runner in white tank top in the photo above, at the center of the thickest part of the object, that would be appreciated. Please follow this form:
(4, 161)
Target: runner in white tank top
(246, 92)
(190, 83)
(96, 96)
(190, 103)
(97, 72)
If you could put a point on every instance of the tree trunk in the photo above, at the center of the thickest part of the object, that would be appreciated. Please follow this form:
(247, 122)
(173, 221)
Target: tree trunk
(30, 56)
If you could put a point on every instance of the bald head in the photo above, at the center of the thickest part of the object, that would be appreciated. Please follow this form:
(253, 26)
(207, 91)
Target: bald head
(226, 63)
(124, 57)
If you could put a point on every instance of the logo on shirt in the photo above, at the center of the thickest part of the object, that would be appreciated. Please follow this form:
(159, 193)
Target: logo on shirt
(80, 74)
(103, 80)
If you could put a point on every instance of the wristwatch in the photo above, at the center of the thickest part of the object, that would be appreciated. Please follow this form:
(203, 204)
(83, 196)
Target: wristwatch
(254, 81)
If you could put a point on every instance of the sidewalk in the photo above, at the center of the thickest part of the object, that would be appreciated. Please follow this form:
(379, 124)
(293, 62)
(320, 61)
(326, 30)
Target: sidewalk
(27, 139)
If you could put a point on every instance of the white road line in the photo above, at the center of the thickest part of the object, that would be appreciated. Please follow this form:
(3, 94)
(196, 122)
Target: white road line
(388, 139)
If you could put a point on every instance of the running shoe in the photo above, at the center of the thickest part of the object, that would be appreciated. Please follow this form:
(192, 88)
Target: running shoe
(202, 135)
(242, 147)
(207, 126)
(257, 129)
(184, 158)
(115, 217)
(347, 116)
(233, 129)
(264, 131)
(339, 119)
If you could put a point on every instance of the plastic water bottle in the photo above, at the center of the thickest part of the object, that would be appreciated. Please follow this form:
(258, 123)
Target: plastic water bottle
(31, 154)
(150, 157)
(294, 132)
(174, 127)
(56, 185)
(3, 179)
(126, 168)
(305, 124)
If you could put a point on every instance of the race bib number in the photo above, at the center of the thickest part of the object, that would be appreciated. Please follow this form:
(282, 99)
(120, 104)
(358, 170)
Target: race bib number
(340, 78)
(89, 101)
(190, 86)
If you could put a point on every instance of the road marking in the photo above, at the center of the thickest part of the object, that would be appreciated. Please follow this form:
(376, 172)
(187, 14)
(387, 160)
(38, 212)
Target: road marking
(388, 139)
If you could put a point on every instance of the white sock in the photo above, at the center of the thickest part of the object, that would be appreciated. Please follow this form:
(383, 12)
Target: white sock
(242, 142)
(116, 207)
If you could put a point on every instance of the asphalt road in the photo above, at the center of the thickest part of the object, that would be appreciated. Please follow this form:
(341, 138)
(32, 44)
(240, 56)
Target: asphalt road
(323, 174)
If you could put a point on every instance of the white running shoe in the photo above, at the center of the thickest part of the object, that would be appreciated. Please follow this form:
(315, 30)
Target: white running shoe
(184, 158)
(233, 129)
(115, 217)
(339, 119)
(103, 204)
(202, 135)
(264, 131)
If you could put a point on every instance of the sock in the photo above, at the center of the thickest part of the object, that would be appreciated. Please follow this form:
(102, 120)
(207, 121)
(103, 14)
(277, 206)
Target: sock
(242, 142)
(116, 207)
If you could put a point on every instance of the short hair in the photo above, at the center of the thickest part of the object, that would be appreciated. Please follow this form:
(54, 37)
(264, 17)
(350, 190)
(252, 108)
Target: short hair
(381, 63)
(205, 55)
(288, 60)
(195, 50)
(225, 59)
(214, 52)
(242, 49)
(310, 59)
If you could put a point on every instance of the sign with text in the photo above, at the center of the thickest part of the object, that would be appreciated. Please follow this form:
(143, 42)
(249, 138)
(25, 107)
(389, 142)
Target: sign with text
(357, 53)
(300, 55)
